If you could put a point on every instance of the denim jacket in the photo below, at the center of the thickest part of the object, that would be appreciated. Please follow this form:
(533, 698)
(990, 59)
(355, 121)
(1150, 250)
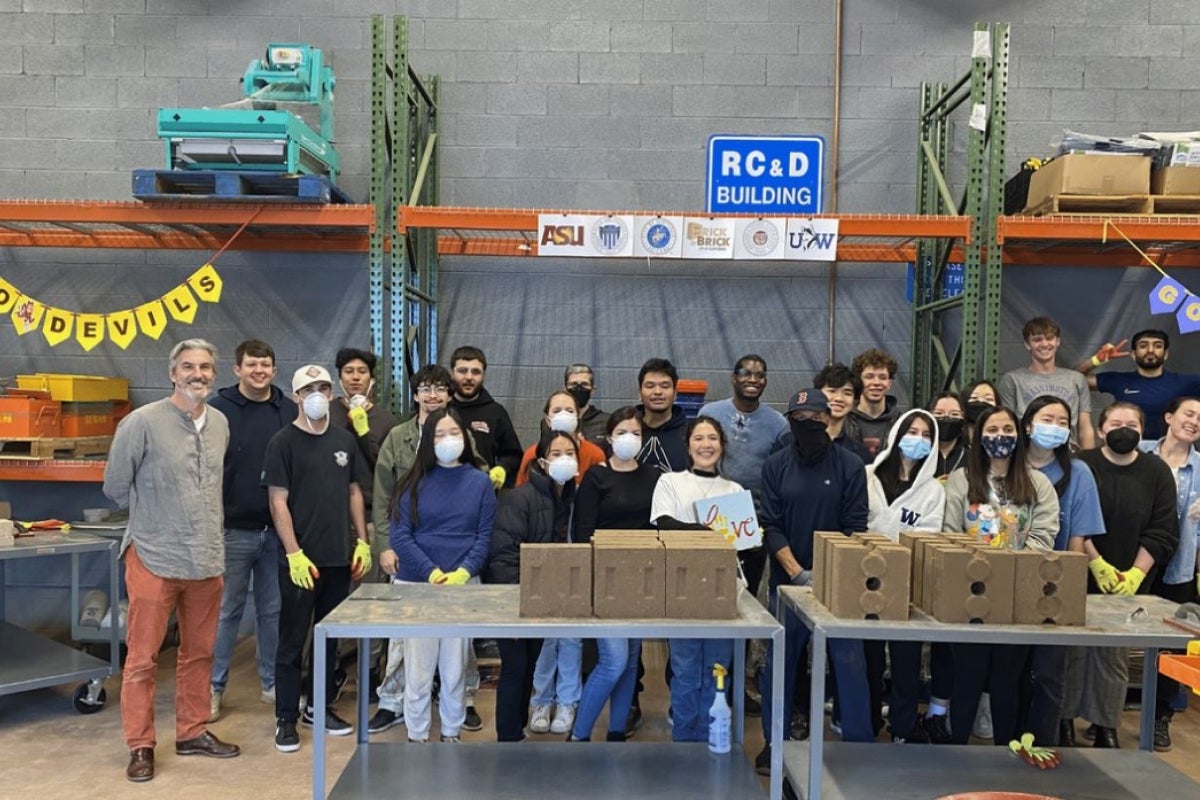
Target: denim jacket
(1182, 567)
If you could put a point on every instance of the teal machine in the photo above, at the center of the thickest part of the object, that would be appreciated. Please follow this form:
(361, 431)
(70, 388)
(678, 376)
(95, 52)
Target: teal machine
(256, 134)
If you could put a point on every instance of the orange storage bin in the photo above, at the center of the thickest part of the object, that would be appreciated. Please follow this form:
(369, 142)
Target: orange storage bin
(77, 388)
(24, 417)
(684, 386)
(121, 409)
(88, 419)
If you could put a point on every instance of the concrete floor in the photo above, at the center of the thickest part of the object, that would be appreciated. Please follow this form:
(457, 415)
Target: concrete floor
(50, 751)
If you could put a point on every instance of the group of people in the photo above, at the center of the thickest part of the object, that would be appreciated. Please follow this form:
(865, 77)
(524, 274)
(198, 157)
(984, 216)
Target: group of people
(306, 494)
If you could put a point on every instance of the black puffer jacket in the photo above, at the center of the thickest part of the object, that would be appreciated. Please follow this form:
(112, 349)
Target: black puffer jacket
(530, 513)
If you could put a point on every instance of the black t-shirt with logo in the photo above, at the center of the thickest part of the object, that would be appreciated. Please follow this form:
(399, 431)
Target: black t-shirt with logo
(317, 471)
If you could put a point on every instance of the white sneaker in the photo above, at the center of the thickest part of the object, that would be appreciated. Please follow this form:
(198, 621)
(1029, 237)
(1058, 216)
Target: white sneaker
(539, 720)
(214, 707)
(268, 696)
(564, 718)
(983, 718)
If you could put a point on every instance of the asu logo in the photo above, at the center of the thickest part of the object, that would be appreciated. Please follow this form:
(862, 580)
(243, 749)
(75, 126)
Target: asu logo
(563, 235)
(342, 458)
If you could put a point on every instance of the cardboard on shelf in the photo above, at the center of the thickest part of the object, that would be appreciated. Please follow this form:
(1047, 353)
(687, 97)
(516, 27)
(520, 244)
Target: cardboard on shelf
(1050, 588)
(556, 580)
(1178, 179)
(701, 577)
(628, 577)
(1089, 173)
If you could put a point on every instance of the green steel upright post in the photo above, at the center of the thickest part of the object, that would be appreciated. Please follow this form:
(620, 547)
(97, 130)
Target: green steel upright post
(379, 168)
(402, 138)
(974, 251)
(997, 149)
(922, 319)
(431, 240)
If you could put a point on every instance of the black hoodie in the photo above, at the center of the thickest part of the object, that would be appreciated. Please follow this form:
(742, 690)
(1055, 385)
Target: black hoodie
(664, 447)
(495, 439)
(251, 425)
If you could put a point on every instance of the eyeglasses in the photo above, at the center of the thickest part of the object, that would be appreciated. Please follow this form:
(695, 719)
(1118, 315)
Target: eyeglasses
(428, 390)
(951, 415)
(746, 373)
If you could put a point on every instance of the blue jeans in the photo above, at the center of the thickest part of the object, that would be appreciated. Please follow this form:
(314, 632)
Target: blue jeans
(257, 554)
(615, 675)
(556, 678)
(849, 668)
(693, 686)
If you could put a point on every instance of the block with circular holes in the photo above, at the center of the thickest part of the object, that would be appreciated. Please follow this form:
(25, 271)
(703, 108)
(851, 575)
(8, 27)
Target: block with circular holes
(1051, 588)
(868, 580)
(970, 584)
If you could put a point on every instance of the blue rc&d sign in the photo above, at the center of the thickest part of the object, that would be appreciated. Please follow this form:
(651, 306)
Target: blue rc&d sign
(765, 175)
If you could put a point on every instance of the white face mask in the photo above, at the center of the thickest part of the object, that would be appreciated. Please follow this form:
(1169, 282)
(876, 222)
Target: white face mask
(316, 406)
(562, 469)
(448, 449)
(564, 421)
(358, 401)
(626, 445)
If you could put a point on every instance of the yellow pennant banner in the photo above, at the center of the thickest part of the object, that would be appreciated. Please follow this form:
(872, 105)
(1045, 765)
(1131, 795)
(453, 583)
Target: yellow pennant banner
(119, 327)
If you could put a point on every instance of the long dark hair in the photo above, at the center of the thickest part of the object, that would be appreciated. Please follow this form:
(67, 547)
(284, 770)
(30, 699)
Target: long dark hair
(716, 426)
(888, 472)
(543, 447)
(1062, 453)
(1017, 484)
(962, 407)
(427, 460)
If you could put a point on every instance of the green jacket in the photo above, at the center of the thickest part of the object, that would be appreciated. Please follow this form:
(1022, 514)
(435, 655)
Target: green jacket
(397, 454)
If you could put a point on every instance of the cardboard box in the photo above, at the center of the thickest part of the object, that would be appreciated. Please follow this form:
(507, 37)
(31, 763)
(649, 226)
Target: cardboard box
(1183, 154)
(868, 581)
(701, 578)
(1176, 180)
(628, 577)
(971, 584)
(1089, 173)
(1050, 588)
(556, 580)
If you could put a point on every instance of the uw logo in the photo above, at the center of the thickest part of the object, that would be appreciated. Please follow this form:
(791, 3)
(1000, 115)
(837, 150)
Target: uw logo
(808, 239)
(909, 517)
(563, 235)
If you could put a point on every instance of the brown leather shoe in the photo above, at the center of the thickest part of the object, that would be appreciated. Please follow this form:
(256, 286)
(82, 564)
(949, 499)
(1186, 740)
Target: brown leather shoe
(141, 764)
(206, 745)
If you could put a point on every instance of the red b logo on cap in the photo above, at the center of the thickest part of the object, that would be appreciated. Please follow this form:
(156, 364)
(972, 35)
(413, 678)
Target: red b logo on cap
(801, 397)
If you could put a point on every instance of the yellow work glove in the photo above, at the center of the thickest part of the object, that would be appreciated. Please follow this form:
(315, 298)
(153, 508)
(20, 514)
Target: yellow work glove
(1106, 574)
(1132, 580)
(497, 474)
(437, 576)
(361, 562)
(302, 570)
(1040, 757)
(358, 417)
(458, 577)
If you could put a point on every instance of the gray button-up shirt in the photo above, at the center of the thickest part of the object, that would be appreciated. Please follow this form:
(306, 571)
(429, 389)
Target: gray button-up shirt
(169, 476)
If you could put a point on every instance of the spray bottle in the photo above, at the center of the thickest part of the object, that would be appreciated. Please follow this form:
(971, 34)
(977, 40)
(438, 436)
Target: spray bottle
(719, 716)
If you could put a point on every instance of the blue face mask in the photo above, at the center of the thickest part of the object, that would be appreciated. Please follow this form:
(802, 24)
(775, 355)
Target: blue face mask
(1049, 437)
(915, 447)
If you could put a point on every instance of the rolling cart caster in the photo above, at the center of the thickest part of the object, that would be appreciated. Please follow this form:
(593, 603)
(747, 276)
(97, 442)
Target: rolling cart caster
(88, 698)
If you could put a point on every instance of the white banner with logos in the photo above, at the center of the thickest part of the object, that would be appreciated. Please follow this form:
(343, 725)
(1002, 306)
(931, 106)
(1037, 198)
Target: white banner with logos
(658, 237)
(708, 237)
(811, 239)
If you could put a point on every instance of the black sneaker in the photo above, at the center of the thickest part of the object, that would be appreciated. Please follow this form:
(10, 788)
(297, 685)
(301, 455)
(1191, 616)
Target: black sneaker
(1089, 732)
(1162, 735)
(340, 676)
(917, 735)
(473, 722)
(762, 762)
(936, 729)
(334, 725)
(633, 721)
(384, 720)
(287, 740)
(798, 731)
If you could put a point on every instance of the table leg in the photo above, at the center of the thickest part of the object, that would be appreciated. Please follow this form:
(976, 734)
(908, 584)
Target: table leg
(364, 687)
(114, 591)
(739, 690)
(1149, 697)
(318, 703)
(816, 715)
(777, 713)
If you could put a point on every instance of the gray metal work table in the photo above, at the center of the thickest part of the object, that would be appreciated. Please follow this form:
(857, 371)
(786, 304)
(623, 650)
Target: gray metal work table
(519, 770)
(29, 661)
(853, 771)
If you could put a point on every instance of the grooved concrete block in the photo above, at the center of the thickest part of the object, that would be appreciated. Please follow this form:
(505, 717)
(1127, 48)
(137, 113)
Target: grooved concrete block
(972, 584)
(640, 37)
(574, 100)
(1050, 588)
(1116, 73)
(754, 101)
(1174, 73)
(85, 92)
(767, 38)
(701, 576)
(796, 70)
(84, 29)
(523, 36)
(335, 33)
(820, 565)
(52, 6)
(486, 67)
(725, 69)
(26, 91)
(53, 59)
(146, 31)
(729, 10)
(548, 67)
(103, 60)
(629, 577)
(26, 28)
(578, 37)
(459, 34)
(701, 37)
(556, 580)
(674, 69)
(516, 99)
(609, 67)
(915, 542)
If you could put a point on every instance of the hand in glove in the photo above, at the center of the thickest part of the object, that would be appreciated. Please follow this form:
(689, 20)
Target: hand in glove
(1130, 583)
(1106, 575)
(358, 416)
(1040, 757)
(437, 576)
(458, 577)
(302, 570)
(1110, 351)
(802, 578)
(361, 562)
(498, 476)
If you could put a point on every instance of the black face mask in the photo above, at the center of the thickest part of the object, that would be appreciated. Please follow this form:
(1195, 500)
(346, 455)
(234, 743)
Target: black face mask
(1122, 441)
(976, 409)
(949, 429)
(810, 438)
(582, 395)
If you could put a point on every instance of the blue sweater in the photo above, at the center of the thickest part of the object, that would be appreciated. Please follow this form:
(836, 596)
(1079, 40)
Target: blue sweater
(455, 508)
(799, 498)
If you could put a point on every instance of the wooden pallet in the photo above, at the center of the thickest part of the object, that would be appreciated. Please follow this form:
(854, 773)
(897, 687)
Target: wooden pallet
(234, 186)
(54, 447)
(1176, 203)
(1093, 204)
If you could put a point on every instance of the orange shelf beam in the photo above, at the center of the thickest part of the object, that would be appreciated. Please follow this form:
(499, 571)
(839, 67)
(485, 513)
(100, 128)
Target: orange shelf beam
(77, 470)
(1091, 228)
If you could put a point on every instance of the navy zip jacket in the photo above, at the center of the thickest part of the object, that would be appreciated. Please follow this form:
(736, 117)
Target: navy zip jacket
(251, 426)
(799, 498)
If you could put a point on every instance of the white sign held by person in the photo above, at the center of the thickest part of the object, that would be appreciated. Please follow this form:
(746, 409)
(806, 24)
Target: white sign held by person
(732, 516)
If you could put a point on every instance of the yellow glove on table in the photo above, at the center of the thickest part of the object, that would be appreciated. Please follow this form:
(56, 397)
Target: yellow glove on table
(437, 576)
(1040, 757)
(458, 577)
(1106, 574)
(361, 562)
(1133, 579)
(498, 475)
(358, 417)
(302, 570)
